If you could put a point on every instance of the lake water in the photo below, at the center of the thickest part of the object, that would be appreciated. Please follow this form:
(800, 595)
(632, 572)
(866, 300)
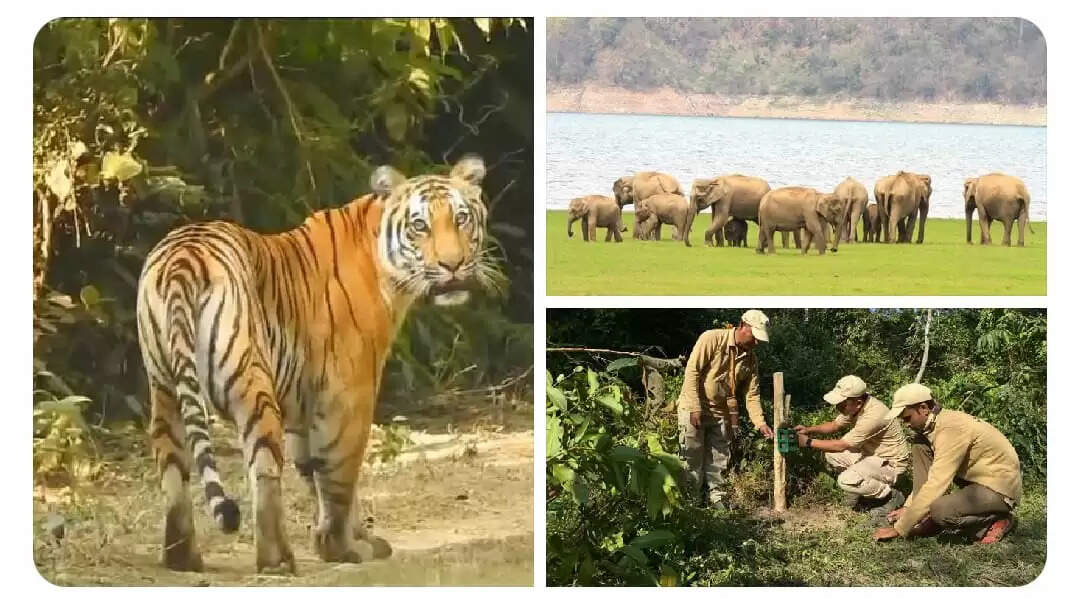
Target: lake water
(587, 152)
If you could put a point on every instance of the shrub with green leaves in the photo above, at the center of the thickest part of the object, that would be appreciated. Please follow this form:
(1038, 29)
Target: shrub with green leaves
(610, 484)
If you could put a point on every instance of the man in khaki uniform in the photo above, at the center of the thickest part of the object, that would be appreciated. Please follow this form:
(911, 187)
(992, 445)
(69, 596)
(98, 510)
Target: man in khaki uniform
(870, 456)
(954, 445)
(721, 368)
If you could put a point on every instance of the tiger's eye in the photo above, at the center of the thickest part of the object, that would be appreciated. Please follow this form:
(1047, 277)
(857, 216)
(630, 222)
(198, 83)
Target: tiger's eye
(419, 225)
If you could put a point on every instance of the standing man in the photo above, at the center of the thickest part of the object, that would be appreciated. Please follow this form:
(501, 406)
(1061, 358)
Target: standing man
(721, 368)
(870, 456)
(953, 445)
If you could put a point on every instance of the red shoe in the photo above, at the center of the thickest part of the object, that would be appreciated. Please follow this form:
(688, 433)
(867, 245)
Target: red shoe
(998, 530)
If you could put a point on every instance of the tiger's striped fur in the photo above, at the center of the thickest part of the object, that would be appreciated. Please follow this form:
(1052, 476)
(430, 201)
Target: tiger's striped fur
(286, 335)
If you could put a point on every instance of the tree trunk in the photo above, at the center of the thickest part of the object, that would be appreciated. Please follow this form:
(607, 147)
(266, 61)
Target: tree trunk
(926, 345)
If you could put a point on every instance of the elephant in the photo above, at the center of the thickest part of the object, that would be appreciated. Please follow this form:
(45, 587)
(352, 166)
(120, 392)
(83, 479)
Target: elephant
(997, 197)
(871, 223)
(637, 187)
(735, 232)
(792, 208)
(662, 209)
(594, 211)
(735, 196)
(906, 197)
(855, 198)
(881, 187)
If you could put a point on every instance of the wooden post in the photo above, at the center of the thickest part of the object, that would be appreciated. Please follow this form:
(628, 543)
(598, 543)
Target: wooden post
(779, 462)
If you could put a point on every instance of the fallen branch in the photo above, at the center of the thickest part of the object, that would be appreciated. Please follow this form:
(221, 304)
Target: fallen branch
(491, 389)
(658, 363)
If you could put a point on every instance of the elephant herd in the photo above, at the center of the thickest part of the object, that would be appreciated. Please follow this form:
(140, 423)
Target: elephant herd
(899, 200)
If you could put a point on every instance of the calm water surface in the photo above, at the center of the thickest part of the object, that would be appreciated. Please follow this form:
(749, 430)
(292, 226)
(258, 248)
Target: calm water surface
(587, 152)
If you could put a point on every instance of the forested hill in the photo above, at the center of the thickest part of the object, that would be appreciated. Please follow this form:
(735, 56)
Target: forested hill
(890, 59)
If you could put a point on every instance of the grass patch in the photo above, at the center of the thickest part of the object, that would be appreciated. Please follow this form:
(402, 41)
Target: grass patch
(943, 265)
(819, 543)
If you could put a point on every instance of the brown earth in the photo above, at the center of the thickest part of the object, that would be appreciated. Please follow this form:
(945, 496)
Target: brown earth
(667, 101)
(455, 504)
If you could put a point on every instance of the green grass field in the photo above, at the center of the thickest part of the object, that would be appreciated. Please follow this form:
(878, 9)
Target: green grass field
(943, 265)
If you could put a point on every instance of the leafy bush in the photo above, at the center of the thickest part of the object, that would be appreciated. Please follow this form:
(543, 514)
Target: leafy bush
(610, 482)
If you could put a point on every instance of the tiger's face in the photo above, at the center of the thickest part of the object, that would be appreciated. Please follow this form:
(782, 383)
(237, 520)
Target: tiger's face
(432, 238)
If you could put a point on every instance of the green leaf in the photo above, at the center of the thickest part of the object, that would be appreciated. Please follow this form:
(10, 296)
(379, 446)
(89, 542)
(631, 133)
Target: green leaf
(594, 382)
(563, 473)
(623, 453)
(611, 401)
(58, 181)
(90, 296)
(622, 363)
(668, 576)
(654, 496)
(119, 166)
(484, 23)
(555, 397)
(554, 436)
(396, 120)
(587, 570)
(635, 554)
(583, 428)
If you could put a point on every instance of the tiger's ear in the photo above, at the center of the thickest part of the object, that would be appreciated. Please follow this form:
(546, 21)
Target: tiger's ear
(470, 168)
(385, 179)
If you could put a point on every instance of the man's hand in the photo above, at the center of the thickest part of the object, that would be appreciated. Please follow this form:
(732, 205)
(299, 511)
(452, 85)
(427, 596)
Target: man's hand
(765, 430)
(804, 440)
(695, 419)
(885, 534)
(895, 514)
(802, 429)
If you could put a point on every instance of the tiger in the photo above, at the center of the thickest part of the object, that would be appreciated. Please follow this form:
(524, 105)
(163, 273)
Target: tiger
(286, 336)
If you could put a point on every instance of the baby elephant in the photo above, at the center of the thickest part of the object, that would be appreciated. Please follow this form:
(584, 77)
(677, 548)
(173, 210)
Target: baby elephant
(595, 211)
(871, 224)
(735, 232)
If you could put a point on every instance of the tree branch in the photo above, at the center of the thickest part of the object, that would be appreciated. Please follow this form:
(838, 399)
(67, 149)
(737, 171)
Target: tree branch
(926, 345)
(285, 96)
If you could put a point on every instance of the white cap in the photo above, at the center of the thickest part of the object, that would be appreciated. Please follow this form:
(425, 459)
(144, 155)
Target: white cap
(849, 386)
(759, 324)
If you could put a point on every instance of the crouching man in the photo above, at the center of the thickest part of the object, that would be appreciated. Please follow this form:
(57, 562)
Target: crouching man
(953, 445)
(870, 456)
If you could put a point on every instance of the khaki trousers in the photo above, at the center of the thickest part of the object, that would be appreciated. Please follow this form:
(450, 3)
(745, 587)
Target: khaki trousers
(866, 476)
(970, 508)
(707, 451)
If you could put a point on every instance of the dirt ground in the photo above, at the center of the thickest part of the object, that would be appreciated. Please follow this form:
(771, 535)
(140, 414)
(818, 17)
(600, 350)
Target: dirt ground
(456, 506)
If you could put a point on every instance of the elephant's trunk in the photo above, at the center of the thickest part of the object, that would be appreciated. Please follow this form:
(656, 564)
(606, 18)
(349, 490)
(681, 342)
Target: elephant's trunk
(968, 217)
(570, 218)
(691, 214)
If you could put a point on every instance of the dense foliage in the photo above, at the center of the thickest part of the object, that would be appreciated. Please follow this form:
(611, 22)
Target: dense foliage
(991, 363)
(927, 59)
(141, 125)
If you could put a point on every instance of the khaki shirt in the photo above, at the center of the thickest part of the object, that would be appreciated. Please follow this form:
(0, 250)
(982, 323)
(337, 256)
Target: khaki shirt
(966, 447)
(874, 434)
(707, 383)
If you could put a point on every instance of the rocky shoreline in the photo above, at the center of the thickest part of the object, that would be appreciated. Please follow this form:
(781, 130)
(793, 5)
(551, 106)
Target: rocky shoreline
(667, 101)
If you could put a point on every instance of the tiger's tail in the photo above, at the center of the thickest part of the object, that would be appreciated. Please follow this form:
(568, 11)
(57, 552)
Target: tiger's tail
(182, 334)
